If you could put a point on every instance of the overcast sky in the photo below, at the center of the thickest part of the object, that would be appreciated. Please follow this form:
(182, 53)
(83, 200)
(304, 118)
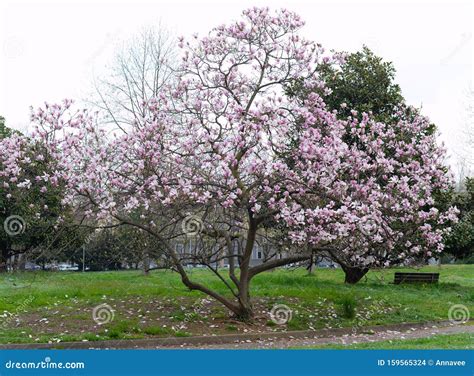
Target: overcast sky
(52, 49)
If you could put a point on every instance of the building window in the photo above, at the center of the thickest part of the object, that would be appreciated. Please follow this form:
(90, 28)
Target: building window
(259, 255)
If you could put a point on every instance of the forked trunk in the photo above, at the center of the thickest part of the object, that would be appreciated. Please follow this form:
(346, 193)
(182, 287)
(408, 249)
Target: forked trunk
(244, 311)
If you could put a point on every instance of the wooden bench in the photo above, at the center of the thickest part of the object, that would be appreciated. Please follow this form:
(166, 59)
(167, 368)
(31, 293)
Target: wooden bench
(416, 278)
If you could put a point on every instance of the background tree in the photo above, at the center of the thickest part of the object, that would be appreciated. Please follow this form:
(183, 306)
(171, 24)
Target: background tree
(30, 203)
(138, 72)
(4, 130)
(58, 246)
(464, 155)
(460, 243)
(381, 190)
(117, 248)
(364, 84)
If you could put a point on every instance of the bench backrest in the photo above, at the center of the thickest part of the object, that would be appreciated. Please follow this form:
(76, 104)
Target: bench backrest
(416, 278)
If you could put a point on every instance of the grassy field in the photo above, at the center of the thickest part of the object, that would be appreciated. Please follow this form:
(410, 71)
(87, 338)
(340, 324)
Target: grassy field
(57, 306)
(441, 341)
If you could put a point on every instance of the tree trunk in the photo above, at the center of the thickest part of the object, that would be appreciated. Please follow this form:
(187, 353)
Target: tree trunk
(4, 255)
(312, 265)
(22, 262)
(353, 274)
(146, 264)
(245, 309)
(14, 262)
(245, 313)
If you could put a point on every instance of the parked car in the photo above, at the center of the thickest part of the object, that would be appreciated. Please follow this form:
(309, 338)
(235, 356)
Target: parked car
(66, 267)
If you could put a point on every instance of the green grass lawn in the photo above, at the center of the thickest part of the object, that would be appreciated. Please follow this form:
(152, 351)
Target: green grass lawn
(440, 341)
(57, 306)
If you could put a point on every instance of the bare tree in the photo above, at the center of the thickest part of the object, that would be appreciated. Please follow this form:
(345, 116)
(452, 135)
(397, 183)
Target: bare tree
(465, 154)
(137, 73)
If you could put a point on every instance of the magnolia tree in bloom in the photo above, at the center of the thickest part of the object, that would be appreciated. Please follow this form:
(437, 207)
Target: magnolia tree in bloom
(373, 203)
(216, 147)
(31, 213)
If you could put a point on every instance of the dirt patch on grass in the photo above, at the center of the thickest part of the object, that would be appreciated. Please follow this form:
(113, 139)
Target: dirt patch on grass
(136, 317)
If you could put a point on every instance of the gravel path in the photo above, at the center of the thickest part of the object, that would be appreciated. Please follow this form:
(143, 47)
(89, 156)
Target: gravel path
(279, 340)
(345, 339)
